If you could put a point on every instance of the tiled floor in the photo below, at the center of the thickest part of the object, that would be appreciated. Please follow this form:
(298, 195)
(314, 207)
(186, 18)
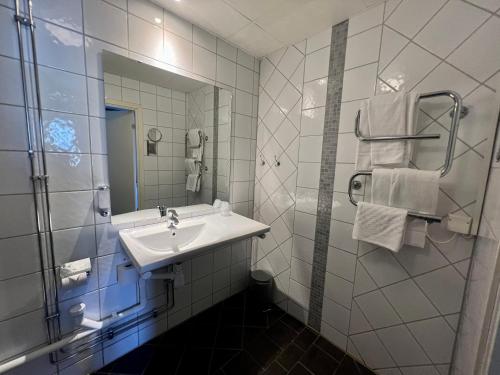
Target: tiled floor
(236, 337)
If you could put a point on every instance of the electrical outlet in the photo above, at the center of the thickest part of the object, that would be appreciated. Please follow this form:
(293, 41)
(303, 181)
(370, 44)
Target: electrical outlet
(459, 223)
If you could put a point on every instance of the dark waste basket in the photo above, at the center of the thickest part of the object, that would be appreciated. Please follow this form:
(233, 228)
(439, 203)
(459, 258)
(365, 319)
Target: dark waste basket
(261, 289)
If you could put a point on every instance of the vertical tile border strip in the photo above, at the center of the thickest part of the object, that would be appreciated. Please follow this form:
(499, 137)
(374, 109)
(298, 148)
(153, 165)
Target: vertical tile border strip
(327, 171)
(215, 142)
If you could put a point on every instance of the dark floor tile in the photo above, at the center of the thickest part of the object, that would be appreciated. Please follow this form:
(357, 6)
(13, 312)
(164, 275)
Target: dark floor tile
(263, 350)
(298, 369)
(165, 361)
(242, 364)
(281, 333)
(274, 369)
(194, 361)
(331, 349)
(175, 337)
(292, 322)
(250, 334)
(256, 317)
(290, 356)
(235, 302)
(208, 317)
(306, 338)
(274, 315)
(107, 368)
(318, 362)
(134, 362)
(232, 317)
(350, 367)
(202, 336)
(229, 338)
(220, 357)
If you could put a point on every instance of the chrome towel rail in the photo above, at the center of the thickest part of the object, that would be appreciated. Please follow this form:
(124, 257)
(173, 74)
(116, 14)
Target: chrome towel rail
(426, 217)
(456, 113)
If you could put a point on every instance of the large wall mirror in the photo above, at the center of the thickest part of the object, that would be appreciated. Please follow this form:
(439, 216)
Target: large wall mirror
(168, 137)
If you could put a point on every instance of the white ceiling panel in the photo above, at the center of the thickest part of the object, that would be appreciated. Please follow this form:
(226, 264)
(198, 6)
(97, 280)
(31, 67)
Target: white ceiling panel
(262, 26)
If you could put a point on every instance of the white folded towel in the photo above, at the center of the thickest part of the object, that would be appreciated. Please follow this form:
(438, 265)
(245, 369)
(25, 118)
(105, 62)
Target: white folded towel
(415, 190)
(381, 186)
(192, 167)
(193, 182)
(411, 124)
(386, 115)
(364, 149)
(197, 153)
(380, 225)
(193, 138)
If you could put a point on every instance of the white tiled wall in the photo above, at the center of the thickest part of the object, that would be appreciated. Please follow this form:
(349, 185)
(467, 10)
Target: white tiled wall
(291, 116)
(71, 35)
(164, 109)
(386, 309)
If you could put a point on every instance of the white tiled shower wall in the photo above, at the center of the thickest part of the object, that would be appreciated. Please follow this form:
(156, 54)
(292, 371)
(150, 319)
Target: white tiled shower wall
(165, 110)
(397, 312)
(71, 35)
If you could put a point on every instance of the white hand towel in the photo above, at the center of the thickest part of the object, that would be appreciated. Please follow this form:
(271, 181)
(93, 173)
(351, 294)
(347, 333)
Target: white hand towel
(194, 138)
(380, 225)
(411, 125)
(191, 166)
(192, 182)
(381, 185)
(387, 117)
(388, 114)
(364, 149)
(197, 153)
(415, 190)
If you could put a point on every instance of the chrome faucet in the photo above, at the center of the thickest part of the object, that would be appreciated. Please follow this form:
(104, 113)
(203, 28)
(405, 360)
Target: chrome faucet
(172, 218)
(163, 210)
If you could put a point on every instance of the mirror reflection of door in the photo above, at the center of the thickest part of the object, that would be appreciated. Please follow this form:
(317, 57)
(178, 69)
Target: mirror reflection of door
(122, 151)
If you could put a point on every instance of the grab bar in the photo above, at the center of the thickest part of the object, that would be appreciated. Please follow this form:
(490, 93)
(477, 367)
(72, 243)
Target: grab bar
(426, 217)
(450, 150)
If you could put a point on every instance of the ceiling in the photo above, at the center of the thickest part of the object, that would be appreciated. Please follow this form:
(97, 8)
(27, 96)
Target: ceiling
(123, 66)
(263, 26)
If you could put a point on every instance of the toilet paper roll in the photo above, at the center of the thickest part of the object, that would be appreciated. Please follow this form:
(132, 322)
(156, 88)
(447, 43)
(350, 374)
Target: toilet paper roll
(127, 274)
(74, 281)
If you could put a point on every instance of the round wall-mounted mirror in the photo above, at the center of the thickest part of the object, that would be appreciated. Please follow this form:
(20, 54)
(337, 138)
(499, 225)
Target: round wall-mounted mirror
(154, 135)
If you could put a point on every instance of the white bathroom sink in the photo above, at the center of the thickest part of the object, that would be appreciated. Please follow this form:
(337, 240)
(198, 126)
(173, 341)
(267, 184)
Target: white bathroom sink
(155, 246)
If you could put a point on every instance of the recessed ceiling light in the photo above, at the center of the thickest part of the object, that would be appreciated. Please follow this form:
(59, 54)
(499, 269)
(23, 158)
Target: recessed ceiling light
(158, 20)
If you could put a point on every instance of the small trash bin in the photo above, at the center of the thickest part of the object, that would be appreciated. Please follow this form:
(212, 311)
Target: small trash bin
(261, 289)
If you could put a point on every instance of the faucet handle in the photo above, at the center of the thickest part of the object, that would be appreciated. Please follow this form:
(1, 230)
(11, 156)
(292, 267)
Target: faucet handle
(162, 209)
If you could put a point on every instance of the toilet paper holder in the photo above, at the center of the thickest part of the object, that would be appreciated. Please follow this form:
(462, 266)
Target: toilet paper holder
(74, 274)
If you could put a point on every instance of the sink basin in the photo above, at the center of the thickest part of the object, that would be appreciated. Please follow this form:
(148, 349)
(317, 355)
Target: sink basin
(155, 246)
(159, 238)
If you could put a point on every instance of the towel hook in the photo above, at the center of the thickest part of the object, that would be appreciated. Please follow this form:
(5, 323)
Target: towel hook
(262, 161)
(277, 162)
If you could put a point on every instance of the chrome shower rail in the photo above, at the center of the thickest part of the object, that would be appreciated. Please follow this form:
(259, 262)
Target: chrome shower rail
(426, 217)
(51, 302)
(455, 119)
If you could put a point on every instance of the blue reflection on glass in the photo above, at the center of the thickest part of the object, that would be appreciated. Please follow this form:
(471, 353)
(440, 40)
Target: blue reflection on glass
(61, 136)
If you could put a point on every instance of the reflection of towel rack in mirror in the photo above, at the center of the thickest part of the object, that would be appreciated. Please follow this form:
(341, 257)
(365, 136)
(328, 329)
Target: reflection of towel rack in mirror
(200, 134)
(357, 185)
(456, 113)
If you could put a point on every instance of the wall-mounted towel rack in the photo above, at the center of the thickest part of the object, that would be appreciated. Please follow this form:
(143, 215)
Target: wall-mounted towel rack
(426, 217)
(456, 113)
